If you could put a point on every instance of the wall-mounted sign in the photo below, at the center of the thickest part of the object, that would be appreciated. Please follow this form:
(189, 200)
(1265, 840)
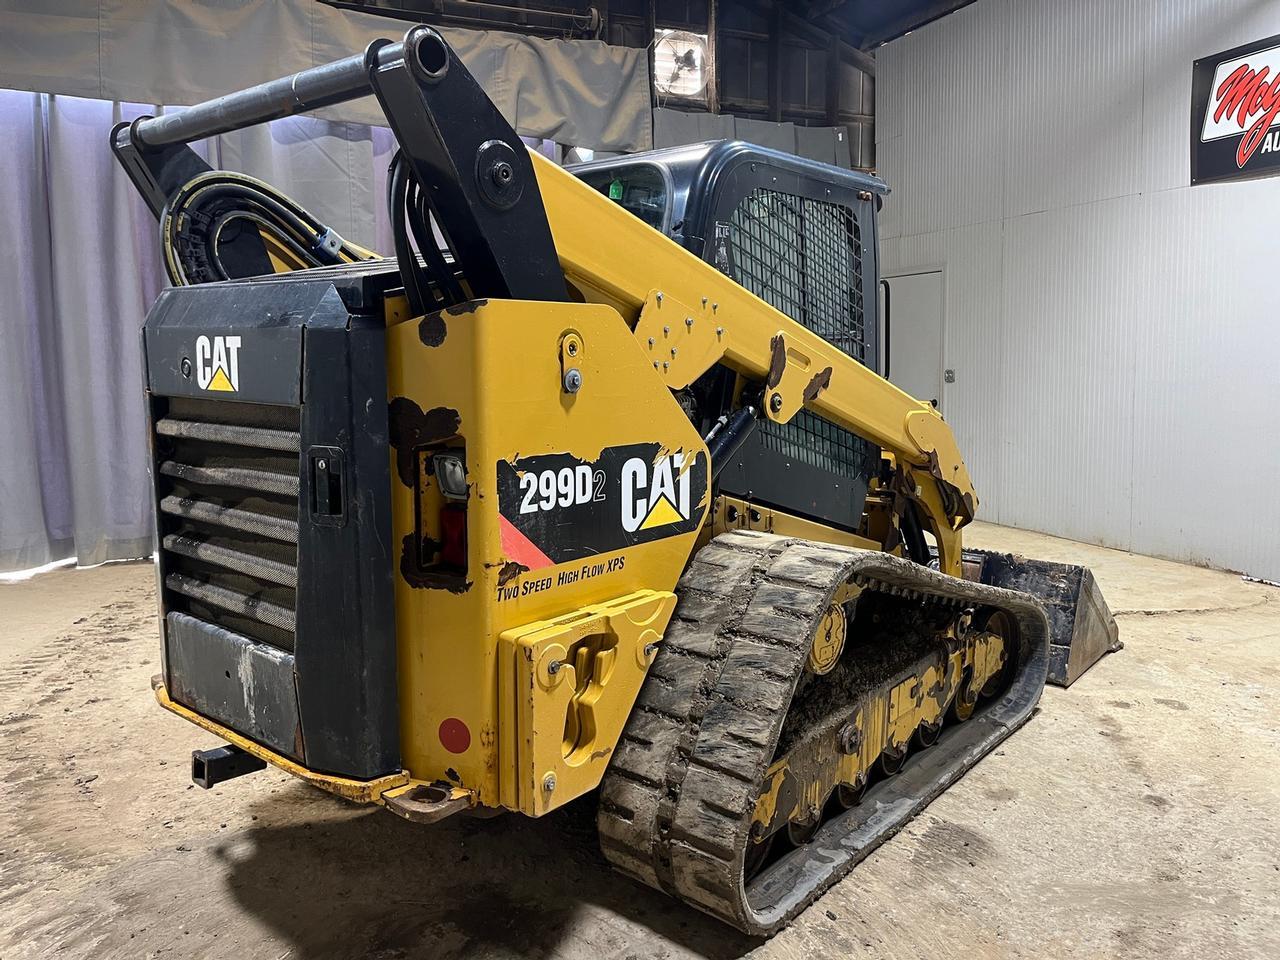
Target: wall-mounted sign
(1235, 113)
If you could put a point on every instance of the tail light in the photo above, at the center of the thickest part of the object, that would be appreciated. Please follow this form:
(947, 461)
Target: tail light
(453, 536)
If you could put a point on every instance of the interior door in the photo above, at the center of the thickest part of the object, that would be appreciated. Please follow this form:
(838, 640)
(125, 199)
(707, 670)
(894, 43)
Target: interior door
(915, 334)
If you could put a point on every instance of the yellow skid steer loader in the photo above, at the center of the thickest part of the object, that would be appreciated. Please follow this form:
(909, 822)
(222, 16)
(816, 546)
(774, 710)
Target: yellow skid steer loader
(605, 493)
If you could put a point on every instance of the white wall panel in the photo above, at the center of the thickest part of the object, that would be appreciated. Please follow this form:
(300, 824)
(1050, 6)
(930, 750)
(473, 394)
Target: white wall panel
(1179, 31)
(938, 93)
(1066, 386)
(1207, 379)
(1114, 332)
(1071, 100)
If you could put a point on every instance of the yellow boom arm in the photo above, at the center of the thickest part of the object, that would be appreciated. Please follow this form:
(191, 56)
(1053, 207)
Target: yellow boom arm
(700, 317)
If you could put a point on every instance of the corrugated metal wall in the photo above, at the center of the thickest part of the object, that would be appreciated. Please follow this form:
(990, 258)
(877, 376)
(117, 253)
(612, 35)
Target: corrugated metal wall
(1115, 333)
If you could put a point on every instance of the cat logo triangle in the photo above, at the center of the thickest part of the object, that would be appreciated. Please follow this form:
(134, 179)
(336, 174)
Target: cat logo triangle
(660, 514)
(220, 382)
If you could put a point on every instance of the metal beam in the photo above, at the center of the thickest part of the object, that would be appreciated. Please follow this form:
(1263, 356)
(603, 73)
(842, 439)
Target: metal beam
(650, 35)
(713, 56)
(816, 35)
(792, 111)
(833, 82)
(820, 8)
(855, 57)
(896, 27)
(775, 66)
(482, 14)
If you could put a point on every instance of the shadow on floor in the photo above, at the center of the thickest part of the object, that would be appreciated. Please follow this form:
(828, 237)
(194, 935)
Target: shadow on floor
(373, 885)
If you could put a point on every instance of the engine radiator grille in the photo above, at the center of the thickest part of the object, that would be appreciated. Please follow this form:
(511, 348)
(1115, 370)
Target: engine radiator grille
(228, 484)
(272, 493)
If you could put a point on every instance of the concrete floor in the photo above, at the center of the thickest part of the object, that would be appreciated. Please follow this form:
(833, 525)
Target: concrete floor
(1134, 816)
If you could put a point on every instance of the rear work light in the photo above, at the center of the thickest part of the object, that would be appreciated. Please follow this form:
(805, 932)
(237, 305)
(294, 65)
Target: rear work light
(451, 475)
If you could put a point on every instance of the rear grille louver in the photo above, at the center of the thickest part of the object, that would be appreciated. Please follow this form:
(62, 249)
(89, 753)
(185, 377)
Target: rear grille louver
(228, 478)
(277, 605)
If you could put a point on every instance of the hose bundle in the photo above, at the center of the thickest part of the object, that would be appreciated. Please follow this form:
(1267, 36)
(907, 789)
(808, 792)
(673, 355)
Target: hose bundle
(222, 226)
(430, 283)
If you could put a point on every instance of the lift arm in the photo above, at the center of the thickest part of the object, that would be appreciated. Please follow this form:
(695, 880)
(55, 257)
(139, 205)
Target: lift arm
(690, 316)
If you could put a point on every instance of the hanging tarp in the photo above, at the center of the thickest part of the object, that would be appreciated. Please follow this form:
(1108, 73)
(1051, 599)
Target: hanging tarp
(580, 92)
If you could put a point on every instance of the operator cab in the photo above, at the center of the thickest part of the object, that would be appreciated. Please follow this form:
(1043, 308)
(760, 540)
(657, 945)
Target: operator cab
(801, 235)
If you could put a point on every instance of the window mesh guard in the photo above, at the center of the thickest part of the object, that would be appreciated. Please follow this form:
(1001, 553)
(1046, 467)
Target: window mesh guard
(804, 258)
(808, 438)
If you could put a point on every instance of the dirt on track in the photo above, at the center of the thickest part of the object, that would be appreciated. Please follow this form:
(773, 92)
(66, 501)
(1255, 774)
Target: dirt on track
(1133, 817)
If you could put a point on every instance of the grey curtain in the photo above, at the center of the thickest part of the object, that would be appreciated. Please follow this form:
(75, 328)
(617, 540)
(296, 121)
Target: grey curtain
(581, 92)
(73, 474)
(81, 268)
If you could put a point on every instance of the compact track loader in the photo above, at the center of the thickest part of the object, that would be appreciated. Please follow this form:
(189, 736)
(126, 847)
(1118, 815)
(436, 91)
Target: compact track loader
(595, 486)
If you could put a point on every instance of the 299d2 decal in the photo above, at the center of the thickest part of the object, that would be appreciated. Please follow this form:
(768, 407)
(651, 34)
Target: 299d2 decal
(555, 508)
(565, 487)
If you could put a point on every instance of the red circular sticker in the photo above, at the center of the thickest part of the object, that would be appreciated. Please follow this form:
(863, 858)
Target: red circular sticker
(454, 735)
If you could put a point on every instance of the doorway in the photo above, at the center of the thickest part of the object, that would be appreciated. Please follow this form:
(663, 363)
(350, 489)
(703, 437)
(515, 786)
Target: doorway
(914, 335)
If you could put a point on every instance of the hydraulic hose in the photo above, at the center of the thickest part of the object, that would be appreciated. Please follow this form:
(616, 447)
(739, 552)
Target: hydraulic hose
(201, 242)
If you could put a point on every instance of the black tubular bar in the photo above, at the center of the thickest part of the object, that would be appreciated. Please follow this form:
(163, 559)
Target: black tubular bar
(474, 175)
(310, 89)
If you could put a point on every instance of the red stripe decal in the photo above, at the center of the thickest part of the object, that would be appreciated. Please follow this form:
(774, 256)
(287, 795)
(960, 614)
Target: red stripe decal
(520, 548)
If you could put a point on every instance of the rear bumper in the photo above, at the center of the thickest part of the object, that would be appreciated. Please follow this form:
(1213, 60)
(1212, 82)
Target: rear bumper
(359, 791)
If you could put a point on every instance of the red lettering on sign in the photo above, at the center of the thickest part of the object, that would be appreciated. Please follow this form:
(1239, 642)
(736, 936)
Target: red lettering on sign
(1253, 101)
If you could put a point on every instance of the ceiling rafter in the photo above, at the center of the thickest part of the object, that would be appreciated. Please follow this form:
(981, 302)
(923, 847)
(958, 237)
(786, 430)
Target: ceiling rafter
(817, 35)
(917, 17)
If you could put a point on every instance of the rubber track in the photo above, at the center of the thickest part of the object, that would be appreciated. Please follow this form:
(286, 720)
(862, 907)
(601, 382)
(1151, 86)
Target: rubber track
(677, 801)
